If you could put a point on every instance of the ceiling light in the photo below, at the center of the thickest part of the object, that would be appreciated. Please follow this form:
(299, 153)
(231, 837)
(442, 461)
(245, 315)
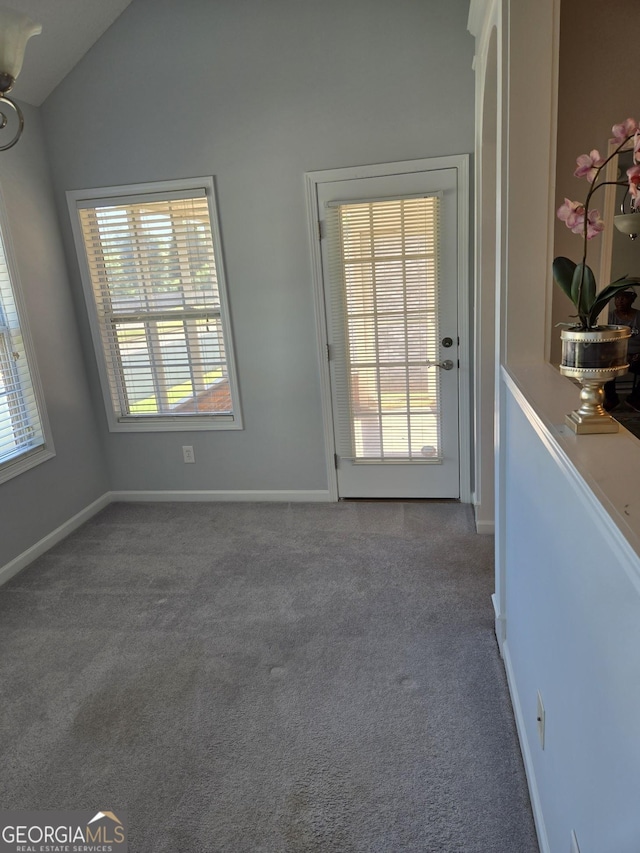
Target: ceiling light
(15, 30)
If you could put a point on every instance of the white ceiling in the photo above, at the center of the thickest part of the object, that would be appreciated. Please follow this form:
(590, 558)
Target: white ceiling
(69, 29)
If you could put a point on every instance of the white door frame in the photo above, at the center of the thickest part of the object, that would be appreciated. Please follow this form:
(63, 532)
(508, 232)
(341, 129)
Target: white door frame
(312, 179)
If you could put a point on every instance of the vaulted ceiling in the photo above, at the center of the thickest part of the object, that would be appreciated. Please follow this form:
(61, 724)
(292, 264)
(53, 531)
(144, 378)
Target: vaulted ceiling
(69, 29)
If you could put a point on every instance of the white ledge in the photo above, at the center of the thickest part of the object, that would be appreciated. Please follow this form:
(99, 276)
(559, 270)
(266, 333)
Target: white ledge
(604, 468)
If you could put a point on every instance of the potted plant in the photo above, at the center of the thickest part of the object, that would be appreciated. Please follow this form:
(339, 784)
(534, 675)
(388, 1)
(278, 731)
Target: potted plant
(593, 353)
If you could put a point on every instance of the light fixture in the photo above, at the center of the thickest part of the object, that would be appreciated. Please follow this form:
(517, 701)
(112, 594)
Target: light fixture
(15, 31)
(628, 223)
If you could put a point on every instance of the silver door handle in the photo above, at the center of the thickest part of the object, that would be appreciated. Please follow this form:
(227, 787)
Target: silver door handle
(445, 365)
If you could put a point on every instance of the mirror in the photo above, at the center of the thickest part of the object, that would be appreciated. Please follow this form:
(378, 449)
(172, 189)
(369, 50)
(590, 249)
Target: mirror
(620, 254)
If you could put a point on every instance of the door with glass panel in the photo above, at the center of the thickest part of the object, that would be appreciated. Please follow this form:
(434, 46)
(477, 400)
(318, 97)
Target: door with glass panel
(389, 256)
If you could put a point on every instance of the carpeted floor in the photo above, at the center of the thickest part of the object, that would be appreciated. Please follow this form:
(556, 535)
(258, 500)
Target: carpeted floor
(285, 678)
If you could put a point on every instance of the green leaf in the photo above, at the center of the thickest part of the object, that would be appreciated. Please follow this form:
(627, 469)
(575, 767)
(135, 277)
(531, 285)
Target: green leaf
(583, 298)
(563, 270)
(607, 294)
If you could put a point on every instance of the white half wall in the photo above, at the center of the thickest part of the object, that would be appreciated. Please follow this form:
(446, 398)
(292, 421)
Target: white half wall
(573, 634)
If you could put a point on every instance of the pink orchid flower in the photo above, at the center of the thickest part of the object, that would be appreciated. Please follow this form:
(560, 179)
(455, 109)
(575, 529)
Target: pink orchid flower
(572, 213)
(595, 224)
(621, 131)
(636, 147)
(588, 165)
(634, 183)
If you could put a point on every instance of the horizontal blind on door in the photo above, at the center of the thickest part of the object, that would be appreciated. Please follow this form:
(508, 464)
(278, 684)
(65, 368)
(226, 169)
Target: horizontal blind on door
(384, 278)
(153, 273)
(20, 423)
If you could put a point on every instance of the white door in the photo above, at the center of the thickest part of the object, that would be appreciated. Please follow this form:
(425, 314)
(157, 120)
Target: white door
(389, 259)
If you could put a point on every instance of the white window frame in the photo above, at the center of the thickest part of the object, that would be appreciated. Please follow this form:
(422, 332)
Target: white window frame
(77, 199)
(29, 457)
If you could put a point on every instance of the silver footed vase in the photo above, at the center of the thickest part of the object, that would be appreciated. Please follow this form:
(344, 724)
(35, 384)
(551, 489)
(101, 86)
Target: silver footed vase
(593, 357)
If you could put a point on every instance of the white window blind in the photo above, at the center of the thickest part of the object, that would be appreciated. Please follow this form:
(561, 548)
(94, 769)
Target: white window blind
(157, 302)
(384, 275)
(21, 426)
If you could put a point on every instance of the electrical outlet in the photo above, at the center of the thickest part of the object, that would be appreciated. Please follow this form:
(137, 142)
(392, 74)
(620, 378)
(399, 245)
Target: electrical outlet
(540, 719)
(188, 454)
(574, 843)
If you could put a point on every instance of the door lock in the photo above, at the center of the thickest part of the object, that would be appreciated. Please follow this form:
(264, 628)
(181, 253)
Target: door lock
(447, 342)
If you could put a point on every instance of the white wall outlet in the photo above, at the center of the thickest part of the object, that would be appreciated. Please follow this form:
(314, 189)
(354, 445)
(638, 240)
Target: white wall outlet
(188, 454)
(540, 719)
(574, 843)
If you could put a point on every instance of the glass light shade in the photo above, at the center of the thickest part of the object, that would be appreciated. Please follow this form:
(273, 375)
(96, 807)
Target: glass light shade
(628, 223)
(15, 30)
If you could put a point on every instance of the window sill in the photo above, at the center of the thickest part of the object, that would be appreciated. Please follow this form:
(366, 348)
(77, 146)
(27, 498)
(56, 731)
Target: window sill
(175, 424)
(28, 460)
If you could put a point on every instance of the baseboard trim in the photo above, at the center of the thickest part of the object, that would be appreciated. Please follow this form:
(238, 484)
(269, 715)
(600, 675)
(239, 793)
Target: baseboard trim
(536, 805)
(486, 527)
(284, 496)
(22, 560)
(500, 624)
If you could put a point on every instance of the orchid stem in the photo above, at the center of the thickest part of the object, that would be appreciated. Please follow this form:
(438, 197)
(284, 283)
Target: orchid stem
(584, 318)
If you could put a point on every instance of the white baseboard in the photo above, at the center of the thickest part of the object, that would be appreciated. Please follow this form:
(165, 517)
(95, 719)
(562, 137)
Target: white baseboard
(486, 527)
(500, 624)
(525, 748)
(223, 495)
(22, 560)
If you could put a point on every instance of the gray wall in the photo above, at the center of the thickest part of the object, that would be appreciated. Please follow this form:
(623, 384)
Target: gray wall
(36, 502)
(257, 94)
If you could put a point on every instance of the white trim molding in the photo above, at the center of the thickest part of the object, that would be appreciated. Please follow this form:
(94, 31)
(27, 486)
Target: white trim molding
(460, 162)
(534, 794)
(102, 314)
(285, 496)
(23, 560)
(257, 495)
(485, 528)
(500, 624)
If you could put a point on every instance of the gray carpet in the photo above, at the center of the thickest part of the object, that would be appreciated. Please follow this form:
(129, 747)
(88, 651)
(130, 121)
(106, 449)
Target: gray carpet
(265, 677)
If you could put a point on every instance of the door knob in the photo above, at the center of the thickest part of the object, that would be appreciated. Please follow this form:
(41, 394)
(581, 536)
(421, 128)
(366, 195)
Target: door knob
(445, 365)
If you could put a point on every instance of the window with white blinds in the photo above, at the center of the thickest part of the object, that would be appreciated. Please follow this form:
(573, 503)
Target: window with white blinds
(155, 288)
(22, 426)
(384, 263)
